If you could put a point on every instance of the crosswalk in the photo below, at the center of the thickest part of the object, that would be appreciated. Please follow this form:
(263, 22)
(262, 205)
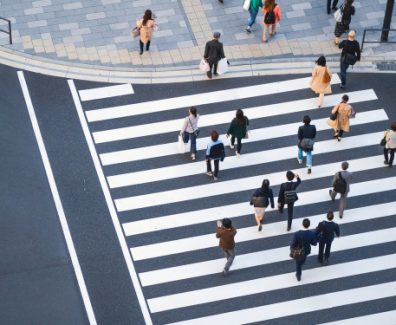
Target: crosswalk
(164, 208)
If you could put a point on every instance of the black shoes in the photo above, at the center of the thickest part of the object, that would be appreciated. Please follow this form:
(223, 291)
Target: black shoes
(288, 228)
(298, 277)
(260, 228)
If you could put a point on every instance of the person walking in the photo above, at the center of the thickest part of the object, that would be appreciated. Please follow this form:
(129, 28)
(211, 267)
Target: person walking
(287, 195)
(333, 6)
(320, 81)
(238, 129)
(272, 16)
(306, 136)
(214, 52)
(326, 230)
(190, 130)
(253, 11)
(226, 232)
(341, 184)
(349, 55)
(340, 120)
(260, 200)
(214, 151)
(341, 27)
(390, 145)
(304, 239)
(146, 26)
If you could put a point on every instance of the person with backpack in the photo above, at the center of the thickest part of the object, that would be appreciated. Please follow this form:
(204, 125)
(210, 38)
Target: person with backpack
(287, 195)
(272, 15)
(347, 10)
(254, 8)
(260, 200)
(341, 183)
(326, 230)
(190, 130)
(306, 135)
(349, 55)
(320, 81)
(238, 129)
(214, 151)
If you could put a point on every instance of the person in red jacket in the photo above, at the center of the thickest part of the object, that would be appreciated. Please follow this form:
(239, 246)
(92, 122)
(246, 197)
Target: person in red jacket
(226, 232)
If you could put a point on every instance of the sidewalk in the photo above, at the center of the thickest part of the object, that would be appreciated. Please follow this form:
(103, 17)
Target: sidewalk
(97, 32)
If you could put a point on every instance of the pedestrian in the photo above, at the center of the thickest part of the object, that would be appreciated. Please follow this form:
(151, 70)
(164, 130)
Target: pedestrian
(146, 26)
(287, 195)
(326, 230)
(254, 8)
(190, 130)
(272, 16)
(342, 27)
(238, 129)
(214, 151)
(260, 200)
(226, 232)
(341, 184)
(339, 119)
(304, 239)
(214, 52)
(333, 6)
(320, 81)
(349, 55)
(306, 136)
(390, 145)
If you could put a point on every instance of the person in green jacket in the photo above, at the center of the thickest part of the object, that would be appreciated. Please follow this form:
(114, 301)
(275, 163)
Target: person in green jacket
(253, 11)
(238, 129)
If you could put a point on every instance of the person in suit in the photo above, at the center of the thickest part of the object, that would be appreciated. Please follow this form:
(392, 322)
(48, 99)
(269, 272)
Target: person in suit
(347, 176)
(289, 185)
(306, 131)
(326, 231)
(303, 238)
(226, 232)
(213, 53)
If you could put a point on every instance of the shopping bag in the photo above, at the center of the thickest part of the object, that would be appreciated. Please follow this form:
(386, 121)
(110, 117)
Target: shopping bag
(246, 5)
(204, 66)
(181, 145)
(222, 66)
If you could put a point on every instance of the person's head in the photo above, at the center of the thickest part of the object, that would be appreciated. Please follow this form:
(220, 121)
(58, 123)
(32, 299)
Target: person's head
(345, 98)
(269, 4)
(351, 35)
(330, 215)
(348, 3)
(393, 126)
(289, 175)
(227, 223)
(344, 165)
(214, 135)
(306, 120)
(193, 111)
(239, 114)
(265, 185)
(216, 35)
(306, 223)
(321, 61)
(147, 16)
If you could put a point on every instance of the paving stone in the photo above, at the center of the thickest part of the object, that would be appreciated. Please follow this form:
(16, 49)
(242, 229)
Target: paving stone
(33, 11)
(295, 13)
(302, 26)
(107, 2)
(96, 15)
(300, 6)
(119, 26)
(41, 3)
(37, 23)
(72, 5)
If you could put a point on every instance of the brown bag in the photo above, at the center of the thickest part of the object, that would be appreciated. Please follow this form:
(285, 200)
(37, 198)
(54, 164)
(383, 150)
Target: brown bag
(326, 77)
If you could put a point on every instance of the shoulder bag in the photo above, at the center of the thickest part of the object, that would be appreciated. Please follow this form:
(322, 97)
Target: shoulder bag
(297, 252)
(333, 116)
(307, 144)
(135, 32)
(340, 184)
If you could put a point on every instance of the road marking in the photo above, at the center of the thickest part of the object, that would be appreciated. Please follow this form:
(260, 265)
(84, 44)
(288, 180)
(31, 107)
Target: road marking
(105, 92)
(385, 318)
(57, 200)
(110, 205)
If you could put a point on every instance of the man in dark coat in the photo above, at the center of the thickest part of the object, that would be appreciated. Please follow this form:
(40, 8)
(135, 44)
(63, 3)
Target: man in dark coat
(326, 231)
(289, 185)
(306, 135)
(213, 53)
(303, 238)
(350, 49)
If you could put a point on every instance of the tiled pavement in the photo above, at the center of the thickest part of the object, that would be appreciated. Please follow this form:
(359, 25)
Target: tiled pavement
(98, 31)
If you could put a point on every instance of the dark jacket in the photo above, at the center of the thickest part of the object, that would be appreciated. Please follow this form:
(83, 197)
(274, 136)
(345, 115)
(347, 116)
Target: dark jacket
(238, 130)
(304, 238)
(267, 197)
(347, 16)
(215, 150)
(214, 51)
(226, 236)
(351, 47)
(287, 187)
(326, 231)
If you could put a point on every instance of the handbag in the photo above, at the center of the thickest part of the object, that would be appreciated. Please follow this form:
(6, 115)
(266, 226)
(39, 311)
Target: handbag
(340, 184)
(297, 252)
(246, 5)
(353, 113)
(181, 145)
(204, 66)
(257, 201)
(135, 32)
(196, 131)
(306, 144)
(333, 116)
(383, 141)
(350, 59)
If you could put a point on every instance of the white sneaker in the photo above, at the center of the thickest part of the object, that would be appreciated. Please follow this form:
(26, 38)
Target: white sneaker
(215, 178)
(238, 155)
(299, 161)
(192, 156)
(209, 173)
(231, 146)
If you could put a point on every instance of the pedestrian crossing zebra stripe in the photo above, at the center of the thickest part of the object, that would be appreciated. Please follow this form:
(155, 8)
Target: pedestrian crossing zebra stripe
(385, 318)
(299, 306)
(206, 120)
(163, 105)
(242, 184)
(105, 92)
(206, 241)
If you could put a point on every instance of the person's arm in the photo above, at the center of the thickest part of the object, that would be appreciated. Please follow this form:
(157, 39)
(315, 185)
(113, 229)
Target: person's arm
(294, 241)
(247, 121)
(206, 53)
(222, 51)
(219, 232)
(357, 51)
(184, 127)
(281, 193)
(314, 238)
(314, 131)
(271, 196)
(342, 44)
(300, 134)
(230, 128)
(297, 182)
(337, 230)
(208, 149)
(278, 13)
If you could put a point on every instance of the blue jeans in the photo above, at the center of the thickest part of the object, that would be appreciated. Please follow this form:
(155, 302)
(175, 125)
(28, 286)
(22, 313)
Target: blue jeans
(343, 71)
(193, 144)
(309, 157)
(252, 18)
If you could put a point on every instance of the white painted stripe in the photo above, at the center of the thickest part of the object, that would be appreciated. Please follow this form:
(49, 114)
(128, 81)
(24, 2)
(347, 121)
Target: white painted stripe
(209, 240)
(250, 159)
(105, 92)
(197, 269)
(266, 284)
(57, 201)
(110, 205)
(242, 184)
(163, 105)
(137, 131)
(193, 217)
(385, 318)
(299, 306)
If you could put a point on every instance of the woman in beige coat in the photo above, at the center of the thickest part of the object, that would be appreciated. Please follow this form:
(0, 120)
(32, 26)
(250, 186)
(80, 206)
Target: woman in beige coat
(146, 26)
(341, 123)
(321, 77)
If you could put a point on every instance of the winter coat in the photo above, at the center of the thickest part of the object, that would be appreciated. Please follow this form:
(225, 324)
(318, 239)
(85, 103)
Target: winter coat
(317, 84)
(342, 120)
(238, 131)
(146, 31)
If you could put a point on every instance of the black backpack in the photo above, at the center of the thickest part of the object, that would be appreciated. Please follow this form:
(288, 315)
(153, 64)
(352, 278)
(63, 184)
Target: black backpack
(269, 17)
(340, 184)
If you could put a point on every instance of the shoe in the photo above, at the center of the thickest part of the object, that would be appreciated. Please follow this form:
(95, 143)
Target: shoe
(215, 178)
(224, 273)
(331, 196)
(309, 171)
(299, 161)
(320, 261)
(232, 146)
(340, 217)
(265, 41)
(248, 30)
(238, 155)
(140, 53)
(260, 228)
(288, 228)
(335, 135)
(386, 162)
(192, 156)
(326, 262)
(334, 8)
(221, 1)
(298, 277)
(338, 139)
(209, 173)
(341, 85)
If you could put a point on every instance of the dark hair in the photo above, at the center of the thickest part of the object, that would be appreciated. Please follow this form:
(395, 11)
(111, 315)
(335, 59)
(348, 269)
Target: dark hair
(227, 223)
(239, 117)
(289, 175)
(306, 119)
(193, 110)
(265, 186)
(345, 98)
(348, 4)
(306, 223)
(147, 16)
(330, 215)
(344, 165)
(393, 126)
(269, 5)
(321, 61)
(214, 135)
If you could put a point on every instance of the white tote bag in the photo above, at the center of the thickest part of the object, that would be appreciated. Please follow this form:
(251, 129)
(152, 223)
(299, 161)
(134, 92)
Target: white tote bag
(181, 145)
(222, 66)
(338, 14)
(246, 5)
(204, 66)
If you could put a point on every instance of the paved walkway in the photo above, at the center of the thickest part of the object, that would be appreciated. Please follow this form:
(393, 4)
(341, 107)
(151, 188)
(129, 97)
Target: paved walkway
(97, 32)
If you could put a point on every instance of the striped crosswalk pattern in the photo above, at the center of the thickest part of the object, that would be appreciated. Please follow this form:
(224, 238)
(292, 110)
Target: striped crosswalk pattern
(165, 208)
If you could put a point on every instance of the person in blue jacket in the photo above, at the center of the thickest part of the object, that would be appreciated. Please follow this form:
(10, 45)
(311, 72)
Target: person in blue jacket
(326, 231)
(214, 151)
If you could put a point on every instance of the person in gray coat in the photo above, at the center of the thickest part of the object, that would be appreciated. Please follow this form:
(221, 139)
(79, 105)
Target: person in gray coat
(346, 175)
(214, 52)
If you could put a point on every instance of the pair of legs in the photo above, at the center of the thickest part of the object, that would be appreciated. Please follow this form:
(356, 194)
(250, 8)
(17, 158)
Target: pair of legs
(209, 166)
(193, 143)
(229, 255)
(324, 246)
(239, 143)
(389, 154)
(252, 19)
(259, 216)
(320, 99)
(333, 6)
(212, 66)
(268, 29)
(338, 134)
(141, 44)
(343, 197)
(309, 157)
(290, 207)
(299, 265)
(343, 72)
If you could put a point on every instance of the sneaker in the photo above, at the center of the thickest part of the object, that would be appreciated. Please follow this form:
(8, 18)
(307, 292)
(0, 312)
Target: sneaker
(309, 171)
(232, 146)
(288, 228)
(215, 178)
(260, 228)
(192, 156)
(238, 155)
(338, 139)
(299, 161)
(248, 30)
(209, 173)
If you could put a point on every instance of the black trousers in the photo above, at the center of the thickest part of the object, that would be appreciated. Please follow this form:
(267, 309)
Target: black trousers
(389, 154)
(290, 207)
(332, 6)
(239, 143)
(141, 44)
(324, 246)
(216, 166)
(212, 66)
